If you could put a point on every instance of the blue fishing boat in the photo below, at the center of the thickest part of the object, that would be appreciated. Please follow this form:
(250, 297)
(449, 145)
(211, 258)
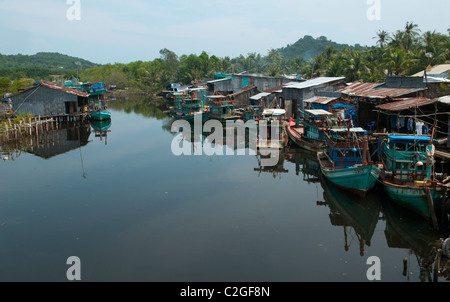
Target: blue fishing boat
(408, 175)
(345, 161)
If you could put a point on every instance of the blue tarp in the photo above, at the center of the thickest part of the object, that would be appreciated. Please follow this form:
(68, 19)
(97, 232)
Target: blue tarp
(339, 106)
(409, 138)
(349, 112)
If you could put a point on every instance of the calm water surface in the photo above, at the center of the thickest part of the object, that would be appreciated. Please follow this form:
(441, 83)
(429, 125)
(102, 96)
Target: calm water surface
(132, 211)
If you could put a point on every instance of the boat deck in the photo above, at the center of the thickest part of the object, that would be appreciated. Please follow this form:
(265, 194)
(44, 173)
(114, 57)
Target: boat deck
(325, 162)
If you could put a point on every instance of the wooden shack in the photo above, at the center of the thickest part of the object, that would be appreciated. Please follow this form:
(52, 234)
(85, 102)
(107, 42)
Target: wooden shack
(49, 99)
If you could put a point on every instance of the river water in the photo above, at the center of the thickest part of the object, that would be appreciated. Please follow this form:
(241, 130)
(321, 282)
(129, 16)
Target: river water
(131, 210)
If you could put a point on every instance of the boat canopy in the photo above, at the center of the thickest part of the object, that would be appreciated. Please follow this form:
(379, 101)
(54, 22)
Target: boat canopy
(318, 112)
(411, 138)
(353, 130)
(275, 112)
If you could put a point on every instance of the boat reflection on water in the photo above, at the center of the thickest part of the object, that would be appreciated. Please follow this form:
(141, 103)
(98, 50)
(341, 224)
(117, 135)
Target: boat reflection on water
(276, 170)
(305, 162)
(406, 230)
(350, 211)
(101, 129)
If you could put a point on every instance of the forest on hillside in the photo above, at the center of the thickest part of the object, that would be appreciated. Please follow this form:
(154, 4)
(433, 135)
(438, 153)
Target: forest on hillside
(403, 52)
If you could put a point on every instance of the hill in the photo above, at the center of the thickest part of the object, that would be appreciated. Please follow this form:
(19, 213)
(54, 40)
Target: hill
(308, 47)
(45, 60)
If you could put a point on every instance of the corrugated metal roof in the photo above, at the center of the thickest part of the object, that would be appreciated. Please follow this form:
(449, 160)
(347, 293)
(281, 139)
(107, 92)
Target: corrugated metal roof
(65, 89)
(319, 112)
(406, 104)
(260, 96)
(219, 80)
(436, 80)
(377, 90)
(246, 88)
(320, 100)
(54, 86)
(358, 87)
(314, 82)
(277, 89)
(438, 69)
(445, 99)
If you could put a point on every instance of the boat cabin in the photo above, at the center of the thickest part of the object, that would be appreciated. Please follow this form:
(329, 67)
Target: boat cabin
(220, 107)
(346, 147)
(406, 156)
(314, 122)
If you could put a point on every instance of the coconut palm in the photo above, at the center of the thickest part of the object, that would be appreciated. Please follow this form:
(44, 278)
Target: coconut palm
(383, 38)
(396, 61)
(410, 35)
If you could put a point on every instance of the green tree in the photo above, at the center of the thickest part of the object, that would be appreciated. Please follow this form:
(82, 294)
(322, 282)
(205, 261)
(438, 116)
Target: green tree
(172, 64)
(5, 86)
(383, 38)
(19, 84)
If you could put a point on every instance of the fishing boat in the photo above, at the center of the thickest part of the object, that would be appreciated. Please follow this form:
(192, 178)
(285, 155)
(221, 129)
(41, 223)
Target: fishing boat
(96, 91)
(188, 107)
(408, 175)
(221, 108)
(99, 110)
(345, 161)
(309, 133)
(272, 129)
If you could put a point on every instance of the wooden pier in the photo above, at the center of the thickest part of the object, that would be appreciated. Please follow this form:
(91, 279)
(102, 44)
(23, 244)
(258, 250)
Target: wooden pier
(443, 155)
(35, 125)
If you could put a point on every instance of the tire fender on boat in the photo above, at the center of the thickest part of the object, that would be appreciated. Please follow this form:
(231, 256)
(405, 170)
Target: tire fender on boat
(446, 247)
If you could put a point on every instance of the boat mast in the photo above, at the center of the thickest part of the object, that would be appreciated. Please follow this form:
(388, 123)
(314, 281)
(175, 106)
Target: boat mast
(346, 144)
(365, 148)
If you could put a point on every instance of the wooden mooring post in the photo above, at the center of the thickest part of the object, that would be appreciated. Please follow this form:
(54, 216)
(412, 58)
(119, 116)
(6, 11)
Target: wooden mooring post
(430, 202)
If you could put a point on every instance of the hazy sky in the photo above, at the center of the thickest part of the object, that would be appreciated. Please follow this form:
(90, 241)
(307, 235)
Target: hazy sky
(112, 31)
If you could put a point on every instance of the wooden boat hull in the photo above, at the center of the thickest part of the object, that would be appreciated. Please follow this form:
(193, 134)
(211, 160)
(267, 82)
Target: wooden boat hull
(100, 115)
(192, 117)
(360, 179)
(414, 198)
(298, 140)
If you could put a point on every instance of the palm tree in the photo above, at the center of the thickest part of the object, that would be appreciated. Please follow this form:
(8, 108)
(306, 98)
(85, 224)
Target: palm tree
(432, 52)
(410, 35)
(396, 61)
(383, 38)
(353, 64)
(397, 39)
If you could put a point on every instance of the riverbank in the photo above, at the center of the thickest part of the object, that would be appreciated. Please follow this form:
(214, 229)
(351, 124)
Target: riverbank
(124, 93)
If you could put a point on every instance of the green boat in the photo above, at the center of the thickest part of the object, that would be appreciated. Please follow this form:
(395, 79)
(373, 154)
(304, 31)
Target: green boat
(101, 126)
(221, 108)
(100, 114)
(188, 107)
(408, 173)
(345, 161)
(96, 91)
